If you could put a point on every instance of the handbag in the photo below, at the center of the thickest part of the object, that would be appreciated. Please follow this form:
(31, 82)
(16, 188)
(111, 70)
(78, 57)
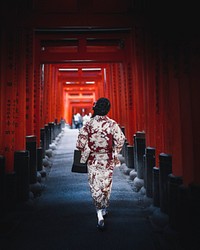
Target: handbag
(77, 166)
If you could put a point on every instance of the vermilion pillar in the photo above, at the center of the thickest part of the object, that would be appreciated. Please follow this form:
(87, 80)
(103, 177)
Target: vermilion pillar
(130, 107)
(59, 107)
(171, 115)
(113, 86)
(52, 94)
(138, 76)
(47, 95)
(57, 96)
(20, 112)
(37, 103)
(116, 82)
(159, 105)
(150, 100)
(122, 97)
(101, 84)
(29, 77)
(8, 99)
(113, 92)
(189, 113)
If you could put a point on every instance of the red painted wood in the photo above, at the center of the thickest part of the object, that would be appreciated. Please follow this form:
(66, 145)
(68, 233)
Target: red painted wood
(47, 95)
(58, 95)
(195, 114)
(150, 97)
(152, 81)
(20, 112)
(37, 104)
(29, 78)
(189, 115)
(10, 91)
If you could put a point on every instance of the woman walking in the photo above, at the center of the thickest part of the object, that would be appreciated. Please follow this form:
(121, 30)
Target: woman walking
(100, 141)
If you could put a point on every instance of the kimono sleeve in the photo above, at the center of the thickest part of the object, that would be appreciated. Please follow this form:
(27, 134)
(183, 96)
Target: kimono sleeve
(118, 141)
(82, 144)
(118, 138)
(82, 138)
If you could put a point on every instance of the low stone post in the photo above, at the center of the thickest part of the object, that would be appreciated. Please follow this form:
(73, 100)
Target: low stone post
(56, 129)
(51, 130)
(126, 153)
(42, 141)
(165, 165)
(174, 182)
(10, 191)
(123, 151)
(149, 164)
(62, 123)
(22, 170)
(194, 207)
(140, 151)
(47, 136)
(39, 159)
(31, 147)
(183, 217)
(155, 188)
(134, 152)
(130, 156)
(59, 128)
(123, 131)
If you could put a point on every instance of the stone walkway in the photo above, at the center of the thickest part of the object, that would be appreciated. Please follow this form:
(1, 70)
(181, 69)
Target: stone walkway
(64, 218)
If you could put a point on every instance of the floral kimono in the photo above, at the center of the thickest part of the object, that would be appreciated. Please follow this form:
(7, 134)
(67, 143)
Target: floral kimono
(100, 141)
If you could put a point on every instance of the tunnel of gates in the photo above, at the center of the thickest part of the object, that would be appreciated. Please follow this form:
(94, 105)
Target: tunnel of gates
(53, 66)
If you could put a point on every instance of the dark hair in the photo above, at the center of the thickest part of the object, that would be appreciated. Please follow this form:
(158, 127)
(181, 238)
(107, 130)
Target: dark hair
(101, 107)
